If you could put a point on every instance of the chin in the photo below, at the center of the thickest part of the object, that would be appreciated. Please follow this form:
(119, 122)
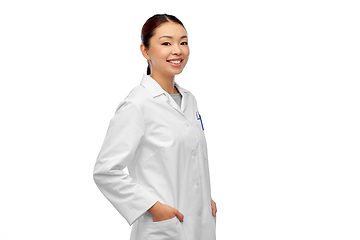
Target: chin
(178, 72)
(173, 73)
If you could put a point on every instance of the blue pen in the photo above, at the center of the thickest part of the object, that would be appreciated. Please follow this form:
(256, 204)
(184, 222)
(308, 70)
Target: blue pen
(199, 118)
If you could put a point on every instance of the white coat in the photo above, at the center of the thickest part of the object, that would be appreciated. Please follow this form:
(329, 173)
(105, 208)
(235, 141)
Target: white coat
(165, 150)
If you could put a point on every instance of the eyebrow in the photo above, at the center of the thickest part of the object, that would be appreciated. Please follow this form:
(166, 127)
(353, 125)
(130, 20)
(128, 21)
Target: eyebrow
(172, 37)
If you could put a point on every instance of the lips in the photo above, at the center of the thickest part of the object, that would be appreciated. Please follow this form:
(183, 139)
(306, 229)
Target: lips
(175, 62)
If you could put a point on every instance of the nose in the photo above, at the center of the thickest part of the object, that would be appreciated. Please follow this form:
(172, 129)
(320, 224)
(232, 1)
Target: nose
(176, 50)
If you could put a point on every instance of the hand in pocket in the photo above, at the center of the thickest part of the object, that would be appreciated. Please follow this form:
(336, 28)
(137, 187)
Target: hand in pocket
(162, 212)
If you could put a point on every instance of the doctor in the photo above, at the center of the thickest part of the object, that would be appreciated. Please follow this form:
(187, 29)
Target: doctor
(157, 132)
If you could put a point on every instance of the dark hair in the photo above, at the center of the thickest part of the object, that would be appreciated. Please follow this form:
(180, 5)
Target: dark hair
(149, 28)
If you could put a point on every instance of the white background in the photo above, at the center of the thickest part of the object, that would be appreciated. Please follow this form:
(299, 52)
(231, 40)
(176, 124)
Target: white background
(277, 83)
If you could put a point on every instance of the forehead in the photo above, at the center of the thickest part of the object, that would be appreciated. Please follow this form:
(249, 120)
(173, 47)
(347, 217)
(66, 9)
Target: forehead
(170, 29)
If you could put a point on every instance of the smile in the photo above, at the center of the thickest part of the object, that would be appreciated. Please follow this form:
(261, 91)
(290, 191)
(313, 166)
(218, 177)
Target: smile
(175, 62)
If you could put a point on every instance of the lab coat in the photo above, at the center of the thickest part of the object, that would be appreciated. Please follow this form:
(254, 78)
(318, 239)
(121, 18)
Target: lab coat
(164, 148)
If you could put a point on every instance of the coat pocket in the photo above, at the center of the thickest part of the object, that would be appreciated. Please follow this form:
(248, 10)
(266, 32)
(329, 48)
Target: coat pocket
(164, 230)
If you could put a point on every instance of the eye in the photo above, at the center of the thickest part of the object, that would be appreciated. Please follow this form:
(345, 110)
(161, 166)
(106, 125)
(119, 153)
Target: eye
(166, 43)
(184, 43)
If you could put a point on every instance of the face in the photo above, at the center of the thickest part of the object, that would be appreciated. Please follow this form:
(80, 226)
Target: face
(168, 51)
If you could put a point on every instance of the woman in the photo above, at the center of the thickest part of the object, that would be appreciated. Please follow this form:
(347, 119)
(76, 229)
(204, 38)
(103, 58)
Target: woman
(157, 132)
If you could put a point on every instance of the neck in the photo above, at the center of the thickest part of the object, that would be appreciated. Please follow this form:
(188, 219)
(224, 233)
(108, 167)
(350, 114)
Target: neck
(166, 82)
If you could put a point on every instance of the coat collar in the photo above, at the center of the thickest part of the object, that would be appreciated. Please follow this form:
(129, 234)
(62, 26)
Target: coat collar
(155, 89)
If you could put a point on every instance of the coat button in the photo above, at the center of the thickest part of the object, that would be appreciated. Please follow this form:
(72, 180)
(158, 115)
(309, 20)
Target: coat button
(193, 153)
(197, 183)
(199, 213)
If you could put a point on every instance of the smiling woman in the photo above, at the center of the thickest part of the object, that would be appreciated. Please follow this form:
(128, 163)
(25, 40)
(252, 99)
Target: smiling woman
(152, 26)
(157, 133)
(165, 46)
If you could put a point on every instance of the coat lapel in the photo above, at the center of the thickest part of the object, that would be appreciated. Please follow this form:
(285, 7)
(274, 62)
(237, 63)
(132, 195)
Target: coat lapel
(156, 90)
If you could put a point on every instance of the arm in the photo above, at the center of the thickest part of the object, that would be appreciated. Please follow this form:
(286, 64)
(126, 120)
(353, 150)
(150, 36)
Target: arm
(123, 136)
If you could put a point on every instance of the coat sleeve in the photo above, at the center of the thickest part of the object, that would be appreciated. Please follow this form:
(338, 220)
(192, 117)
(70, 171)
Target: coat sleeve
(122, 139)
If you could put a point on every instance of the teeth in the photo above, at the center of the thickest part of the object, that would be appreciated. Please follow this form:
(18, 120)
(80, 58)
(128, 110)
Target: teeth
(178, 61)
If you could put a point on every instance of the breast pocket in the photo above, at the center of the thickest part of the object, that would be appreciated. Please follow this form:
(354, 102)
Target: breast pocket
(164, 230)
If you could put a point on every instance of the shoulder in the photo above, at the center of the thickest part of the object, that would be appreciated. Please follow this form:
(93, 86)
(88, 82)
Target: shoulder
(188, 93)
(190, 96)
(135, 99)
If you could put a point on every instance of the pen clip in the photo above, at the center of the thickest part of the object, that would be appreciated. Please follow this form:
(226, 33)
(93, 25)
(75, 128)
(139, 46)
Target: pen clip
(198, 116)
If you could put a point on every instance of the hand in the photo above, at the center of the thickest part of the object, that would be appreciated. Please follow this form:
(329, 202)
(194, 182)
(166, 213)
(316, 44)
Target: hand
(162, 212)
(213, 207)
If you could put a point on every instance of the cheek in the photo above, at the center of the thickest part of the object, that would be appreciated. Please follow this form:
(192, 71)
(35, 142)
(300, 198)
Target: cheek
(186, 51)
(162, 54)
(157, 52)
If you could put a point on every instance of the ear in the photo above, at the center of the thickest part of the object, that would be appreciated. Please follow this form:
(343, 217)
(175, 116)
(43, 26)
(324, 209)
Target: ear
(144, 51)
